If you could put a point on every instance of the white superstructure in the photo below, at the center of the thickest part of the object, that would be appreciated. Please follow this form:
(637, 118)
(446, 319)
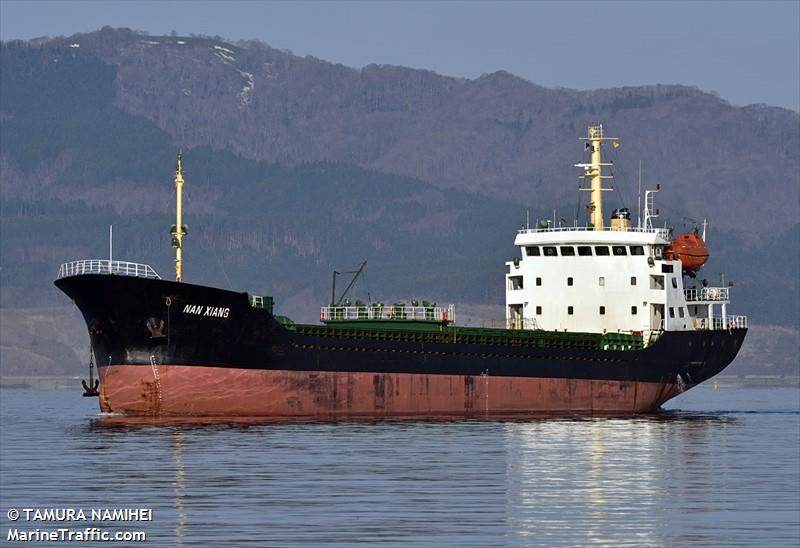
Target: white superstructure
(598, 279)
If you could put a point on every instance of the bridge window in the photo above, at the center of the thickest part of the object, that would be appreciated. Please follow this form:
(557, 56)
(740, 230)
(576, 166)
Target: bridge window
(569, 281)
(567, 251)
(585, 251)
(601, 250)
(637, 250)
(602, 310)
(550, 251)
(619, 250)
(570, 310)
(532, 250)
(634, 311)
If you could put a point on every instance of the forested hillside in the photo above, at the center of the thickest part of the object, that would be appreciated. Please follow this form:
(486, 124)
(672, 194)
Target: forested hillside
(497, 135)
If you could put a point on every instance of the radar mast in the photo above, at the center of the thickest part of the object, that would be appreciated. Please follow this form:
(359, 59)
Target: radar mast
(178, 230)
(594, 172)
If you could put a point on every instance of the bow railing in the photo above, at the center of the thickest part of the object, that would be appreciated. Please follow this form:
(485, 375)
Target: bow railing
(104, 266)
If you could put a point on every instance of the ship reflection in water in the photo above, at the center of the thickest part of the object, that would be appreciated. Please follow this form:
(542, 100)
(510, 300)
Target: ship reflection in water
(722, 476)
(609, 482)
(179, 487)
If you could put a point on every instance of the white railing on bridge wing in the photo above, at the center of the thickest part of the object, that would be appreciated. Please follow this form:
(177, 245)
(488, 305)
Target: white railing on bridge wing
(707, 294)
(733, 322)
(388, 312)
(104, 266)
(663, 232)
(717, 324)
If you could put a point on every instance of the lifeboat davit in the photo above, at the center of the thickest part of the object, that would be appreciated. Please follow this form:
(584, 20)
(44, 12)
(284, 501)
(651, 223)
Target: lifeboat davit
(688, 248)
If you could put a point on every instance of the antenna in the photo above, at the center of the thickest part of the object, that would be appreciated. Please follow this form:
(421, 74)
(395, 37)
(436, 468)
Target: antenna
(110, 246)
(527, 219)
(639, 199)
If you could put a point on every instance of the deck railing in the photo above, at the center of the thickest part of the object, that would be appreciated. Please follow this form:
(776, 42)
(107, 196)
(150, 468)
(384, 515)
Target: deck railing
(707, 294)
(663, 232)
(731, 322)
(512, 323)
(388, 312)
(104, 266)
(717, 324)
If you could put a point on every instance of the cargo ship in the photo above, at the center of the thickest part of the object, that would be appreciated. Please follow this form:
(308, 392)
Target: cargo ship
(598, 320)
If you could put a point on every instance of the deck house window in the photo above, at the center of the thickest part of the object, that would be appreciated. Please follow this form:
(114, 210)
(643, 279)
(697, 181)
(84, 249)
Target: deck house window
(570, 310)
(602, 310)
(601, 281)
(675, 283)
(656, 281)
(567, 251)
(667, 268)
(601, 250)
(538, 281)
(633, 280)
(550, 251)
(619, 250)
(569, 281)
(680, 311)
(633, 311)
(585, 251)
(515, 282)
(538, 310)
(671, 312)
(532, 250)
(637, 250)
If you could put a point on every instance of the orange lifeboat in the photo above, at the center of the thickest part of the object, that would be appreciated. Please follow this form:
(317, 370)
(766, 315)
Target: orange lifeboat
(688, 248)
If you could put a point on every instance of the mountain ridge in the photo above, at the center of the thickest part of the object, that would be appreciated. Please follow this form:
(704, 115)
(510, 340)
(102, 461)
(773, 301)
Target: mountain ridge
(487, 135)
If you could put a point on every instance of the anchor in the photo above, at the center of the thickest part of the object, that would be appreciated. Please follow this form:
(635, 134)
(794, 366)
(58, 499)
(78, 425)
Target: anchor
(90, 390)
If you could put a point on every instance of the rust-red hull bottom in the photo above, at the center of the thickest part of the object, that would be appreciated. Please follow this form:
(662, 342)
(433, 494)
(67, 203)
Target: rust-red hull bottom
(206, 391)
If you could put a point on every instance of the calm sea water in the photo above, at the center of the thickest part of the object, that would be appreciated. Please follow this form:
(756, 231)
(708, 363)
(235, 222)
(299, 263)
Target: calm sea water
(717, 468)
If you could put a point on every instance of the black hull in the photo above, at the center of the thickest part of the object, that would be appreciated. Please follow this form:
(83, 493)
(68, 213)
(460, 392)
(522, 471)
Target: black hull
(140, 321)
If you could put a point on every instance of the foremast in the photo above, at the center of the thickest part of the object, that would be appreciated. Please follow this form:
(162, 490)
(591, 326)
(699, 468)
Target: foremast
(178, 230)
(594, 172)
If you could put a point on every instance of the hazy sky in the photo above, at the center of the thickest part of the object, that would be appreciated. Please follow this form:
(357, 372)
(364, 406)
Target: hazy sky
(748, 52)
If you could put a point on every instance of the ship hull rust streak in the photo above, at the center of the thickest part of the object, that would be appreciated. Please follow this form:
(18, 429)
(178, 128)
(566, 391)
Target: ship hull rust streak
(190, 390)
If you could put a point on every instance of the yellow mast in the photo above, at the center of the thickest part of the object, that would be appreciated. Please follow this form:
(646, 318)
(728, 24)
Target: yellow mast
(594, 172)
(178, 230)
